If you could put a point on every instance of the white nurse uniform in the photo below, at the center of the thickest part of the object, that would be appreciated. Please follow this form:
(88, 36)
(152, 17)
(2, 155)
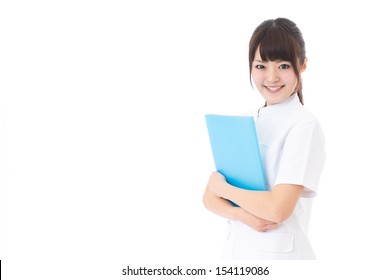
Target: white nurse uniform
(292, 150)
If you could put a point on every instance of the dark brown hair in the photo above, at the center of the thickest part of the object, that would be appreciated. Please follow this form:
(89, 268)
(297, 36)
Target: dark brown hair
(280, 39)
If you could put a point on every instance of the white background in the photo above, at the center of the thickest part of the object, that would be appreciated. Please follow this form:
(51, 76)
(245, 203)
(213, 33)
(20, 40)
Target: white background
(104, 150)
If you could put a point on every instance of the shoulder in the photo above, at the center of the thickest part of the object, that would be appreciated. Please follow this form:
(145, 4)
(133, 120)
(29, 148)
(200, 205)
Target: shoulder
(304, 117)
(305, 126)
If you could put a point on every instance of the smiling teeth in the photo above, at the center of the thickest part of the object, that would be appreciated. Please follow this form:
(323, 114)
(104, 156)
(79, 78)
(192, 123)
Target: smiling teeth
(274, 88)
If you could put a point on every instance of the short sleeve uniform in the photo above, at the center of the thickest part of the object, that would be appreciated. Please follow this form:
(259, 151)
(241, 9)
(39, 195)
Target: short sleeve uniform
(292, 150)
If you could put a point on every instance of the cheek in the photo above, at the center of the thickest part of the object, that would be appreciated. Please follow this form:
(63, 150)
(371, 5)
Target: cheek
(258, 79)
(290, 78)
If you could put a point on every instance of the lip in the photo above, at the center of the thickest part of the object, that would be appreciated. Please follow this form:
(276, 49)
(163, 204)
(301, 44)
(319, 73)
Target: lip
(273, 89)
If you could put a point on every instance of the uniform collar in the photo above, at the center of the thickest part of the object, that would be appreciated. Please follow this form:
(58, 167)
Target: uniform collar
(291, 102)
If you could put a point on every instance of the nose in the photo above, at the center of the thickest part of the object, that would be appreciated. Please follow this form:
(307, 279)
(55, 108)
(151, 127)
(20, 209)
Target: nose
(272, 75)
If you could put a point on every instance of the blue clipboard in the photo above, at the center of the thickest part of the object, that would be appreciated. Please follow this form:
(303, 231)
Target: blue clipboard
(236, 150)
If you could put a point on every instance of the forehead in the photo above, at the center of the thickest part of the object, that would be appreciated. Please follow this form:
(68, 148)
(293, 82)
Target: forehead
(257, 54)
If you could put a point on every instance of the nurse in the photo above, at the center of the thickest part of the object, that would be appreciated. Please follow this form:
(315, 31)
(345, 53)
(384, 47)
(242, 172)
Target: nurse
(273, 224)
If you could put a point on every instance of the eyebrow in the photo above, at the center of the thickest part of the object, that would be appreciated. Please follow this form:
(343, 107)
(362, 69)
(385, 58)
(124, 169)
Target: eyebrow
(278, 60)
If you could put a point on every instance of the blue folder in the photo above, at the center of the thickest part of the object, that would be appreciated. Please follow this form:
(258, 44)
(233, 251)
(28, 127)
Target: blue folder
(236, 150)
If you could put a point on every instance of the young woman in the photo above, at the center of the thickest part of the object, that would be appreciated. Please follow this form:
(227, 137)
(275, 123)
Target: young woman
(273, 224)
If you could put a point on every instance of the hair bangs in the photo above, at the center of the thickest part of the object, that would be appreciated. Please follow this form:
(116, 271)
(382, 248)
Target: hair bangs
(277, 45)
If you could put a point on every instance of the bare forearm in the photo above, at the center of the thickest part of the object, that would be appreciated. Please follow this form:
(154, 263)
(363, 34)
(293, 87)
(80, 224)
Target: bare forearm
(276, 205)
(257, 203)
(219, 206)
(224, 208)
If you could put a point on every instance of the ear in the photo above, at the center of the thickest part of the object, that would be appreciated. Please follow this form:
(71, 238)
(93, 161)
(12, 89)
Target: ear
(303, 67)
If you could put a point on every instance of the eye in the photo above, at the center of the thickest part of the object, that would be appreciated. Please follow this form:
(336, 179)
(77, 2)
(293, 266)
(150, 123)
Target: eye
(259, 66)
(284, 66)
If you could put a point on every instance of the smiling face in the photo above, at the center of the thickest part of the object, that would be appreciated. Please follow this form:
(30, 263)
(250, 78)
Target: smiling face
(275, 80)
(277, 56)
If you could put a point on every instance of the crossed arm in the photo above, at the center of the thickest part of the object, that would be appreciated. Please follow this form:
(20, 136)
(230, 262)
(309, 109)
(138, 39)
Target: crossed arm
(260, 210)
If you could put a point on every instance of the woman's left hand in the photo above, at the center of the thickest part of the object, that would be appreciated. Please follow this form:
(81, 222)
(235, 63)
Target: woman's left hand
(217, 183)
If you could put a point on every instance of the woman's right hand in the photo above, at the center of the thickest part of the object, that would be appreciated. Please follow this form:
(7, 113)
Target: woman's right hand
(254, 222)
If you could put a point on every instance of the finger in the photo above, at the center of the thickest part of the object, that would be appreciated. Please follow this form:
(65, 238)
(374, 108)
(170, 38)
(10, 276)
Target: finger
(272, 226)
